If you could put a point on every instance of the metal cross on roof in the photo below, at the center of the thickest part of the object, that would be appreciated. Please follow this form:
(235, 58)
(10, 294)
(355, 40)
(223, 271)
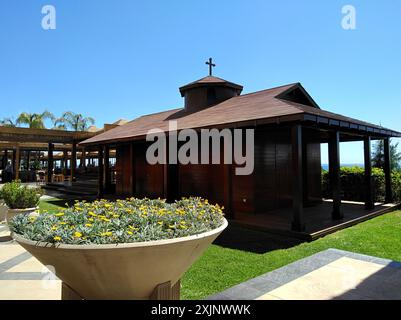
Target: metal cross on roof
(211, 65)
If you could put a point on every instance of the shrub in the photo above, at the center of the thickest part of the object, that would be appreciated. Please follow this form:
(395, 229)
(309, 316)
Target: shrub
(123, 221)
(353, 184)
(17, 196)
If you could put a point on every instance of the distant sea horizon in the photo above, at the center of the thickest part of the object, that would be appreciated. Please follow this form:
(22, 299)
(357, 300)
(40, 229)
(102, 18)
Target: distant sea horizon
(348, 165)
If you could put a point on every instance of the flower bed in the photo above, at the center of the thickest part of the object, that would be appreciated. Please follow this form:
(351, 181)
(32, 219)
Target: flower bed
(122, 221)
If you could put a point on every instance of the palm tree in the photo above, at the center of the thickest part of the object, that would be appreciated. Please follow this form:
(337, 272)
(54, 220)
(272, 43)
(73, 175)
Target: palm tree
(59, 124)
(34, 120)
(76, 121)
(8, 122)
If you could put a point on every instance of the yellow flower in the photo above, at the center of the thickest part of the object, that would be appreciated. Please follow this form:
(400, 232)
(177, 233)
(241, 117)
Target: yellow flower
(92, 214)
(60, 214)
(77, 234)
(160, 222)
(130, 232)
(106, 234)
(62, 222)
(88, 225)
(91, 219)
(57, 238)
(54, 228)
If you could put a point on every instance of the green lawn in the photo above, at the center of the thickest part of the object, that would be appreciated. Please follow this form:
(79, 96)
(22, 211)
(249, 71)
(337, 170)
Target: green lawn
(221, 267)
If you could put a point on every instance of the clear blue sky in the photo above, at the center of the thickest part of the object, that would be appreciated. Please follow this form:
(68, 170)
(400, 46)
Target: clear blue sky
(125, 58)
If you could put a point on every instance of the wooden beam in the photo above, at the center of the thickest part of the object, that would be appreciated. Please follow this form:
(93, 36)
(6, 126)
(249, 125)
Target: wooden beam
(369, 200)
(43, 135)
(334, 173)
(50, 162)
(387, 170)
(297, 176)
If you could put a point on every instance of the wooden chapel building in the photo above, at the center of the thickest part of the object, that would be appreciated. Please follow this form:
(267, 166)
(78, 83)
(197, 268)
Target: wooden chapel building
(289, 128)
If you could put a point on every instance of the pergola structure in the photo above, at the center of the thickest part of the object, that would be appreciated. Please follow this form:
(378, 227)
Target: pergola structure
(14, 141)
(326, 129)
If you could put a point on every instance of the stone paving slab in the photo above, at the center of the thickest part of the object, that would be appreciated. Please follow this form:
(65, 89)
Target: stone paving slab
(327, 275)
(23, 277)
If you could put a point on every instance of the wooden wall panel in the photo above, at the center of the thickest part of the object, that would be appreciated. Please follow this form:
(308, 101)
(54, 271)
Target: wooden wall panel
(149, 178)
(243, 190)
(265, 171)
(283, 168)
(124, 170)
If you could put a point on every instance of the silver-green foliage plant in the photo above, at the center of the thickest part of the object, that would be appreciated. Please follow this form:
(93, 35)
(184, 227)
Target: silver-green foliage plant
(122, 221)
(18, 196)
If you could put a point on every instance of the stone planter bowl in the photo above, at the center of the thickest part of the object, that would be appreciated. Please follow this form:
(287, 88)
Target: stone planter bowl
(3, 211)
(11, 213)
(121, 271)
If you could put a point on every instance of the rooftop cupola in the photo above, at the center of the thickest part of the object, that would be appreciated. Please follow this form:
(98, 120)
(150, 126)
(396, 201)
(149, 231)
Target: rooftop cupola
(208, 91)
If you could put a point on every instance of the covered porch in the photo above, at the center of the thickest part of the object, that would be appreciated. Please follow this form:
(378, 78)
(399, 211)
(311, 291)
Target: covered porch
(42, 155)
(309, 218)
(317, 219)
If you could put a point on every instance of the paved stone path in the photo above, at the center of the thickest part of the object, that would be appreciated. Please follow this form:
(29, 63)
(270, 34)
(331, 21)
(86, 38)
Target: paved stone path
(328, 275)
(22, 277)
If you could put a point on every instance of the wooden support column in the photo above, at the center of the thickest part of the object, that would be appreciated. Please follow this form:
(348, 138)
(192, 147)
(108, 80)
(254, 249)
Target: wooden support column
(5, 158)
(106, 168)
(100, 172)
(83, 159)
(166, 177)
(65, 160)
(28, 160)
(13, 162)
(369, 198)
(334, 173)
(73, 161)
(50, 164)
(17, 162)
(387, 171)
(132, 179)
(297, 179)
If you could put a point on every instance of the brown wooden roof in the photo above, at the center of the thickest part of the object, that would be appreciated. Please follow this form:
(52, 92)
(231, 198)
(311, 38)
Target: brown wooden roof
(249, 109)
(208, 81)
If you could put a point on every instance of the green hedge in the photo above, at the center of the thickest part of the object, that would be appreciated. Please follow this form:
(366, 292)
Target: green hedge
(353, 184)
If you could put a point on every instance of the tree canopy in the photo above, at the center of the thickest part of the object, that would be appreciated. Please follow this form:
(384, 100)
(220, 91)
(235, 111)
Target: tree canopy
(378, 155)
(68, 120)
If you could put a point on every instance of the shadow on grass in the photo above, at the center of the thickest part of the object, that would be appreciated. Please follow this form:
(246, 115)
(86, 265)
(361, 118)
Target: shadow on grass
(240, 238)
